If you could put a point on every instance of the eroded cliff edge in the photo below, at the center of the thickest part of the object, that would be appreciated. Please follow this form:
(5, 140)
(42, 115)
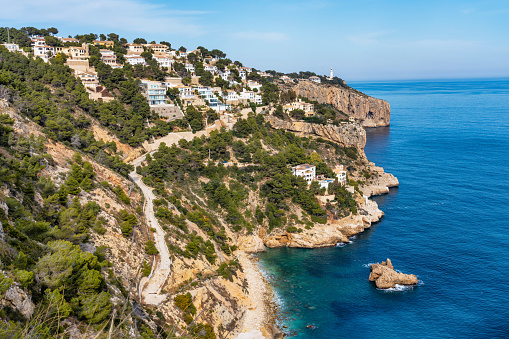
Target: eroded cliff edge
(368, 111)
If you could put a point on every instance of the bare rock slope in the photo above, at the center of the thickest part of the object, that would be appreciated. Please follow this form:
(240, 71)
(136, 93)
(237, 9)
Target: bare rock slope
(347, 135)
(369, 111)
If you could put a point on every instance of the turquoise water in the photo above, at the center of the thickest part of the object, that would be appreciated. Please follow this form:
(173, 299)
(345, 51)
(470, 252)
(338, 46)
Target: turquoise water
(448, 144)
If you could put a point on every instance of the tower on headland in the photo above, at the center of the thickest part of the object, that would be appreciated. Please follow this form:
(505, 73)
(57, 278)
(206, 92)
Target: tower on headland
(331, 76)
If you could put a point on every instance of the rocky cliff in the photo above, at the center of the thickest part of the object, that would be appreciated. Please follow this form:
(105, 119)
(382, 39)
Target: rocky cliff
(370, 112)
(347, 135)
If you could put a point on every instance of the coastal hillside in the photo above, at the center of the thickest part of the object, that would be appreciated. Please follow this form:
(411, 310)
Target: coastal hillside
(132, 196)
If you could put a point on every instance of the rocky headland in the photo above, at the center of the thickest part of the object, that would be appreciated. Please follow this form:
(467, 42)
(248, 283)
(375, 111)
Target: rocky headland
(384, 276)
(369, 111)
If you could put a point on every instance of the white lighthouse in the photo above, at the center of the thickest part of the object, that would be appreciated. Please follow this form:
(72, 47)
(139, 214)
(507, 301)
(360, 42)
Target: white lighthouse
(331, 76)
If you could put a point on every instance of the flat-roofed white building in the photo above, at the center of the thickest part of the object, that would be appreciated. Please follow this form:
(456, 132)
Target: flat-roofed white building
(210, 68)
(254, 85)
(340, 174)
(231, 95)
(44, 52)
(163, 60)
(306, 171)
(190, 68)
(11, 47)
(315, 79)
(135, 59)
(185, 91)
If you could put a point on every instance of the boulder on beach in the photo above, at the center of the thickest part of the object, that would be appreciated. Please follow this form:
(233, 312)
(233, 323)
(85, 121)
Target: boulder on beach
(384, 276)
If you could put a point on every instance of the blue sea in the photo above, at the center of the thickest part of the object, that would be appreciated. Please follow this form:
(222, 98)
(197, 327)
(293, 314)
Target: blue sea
(448, 144)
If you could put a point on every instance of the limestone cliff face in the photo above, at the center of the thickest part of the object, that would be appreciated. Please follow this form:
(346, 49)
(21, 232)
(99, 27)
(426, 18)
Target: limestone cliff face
(347, 135)
(370, 112)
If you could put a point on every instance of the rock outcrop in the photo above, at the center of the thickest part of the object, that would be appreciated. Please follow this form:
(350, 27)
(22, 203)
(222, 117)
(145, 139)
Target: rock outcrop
(330, 234)
(347, 135)
(380, 182)
(370, 112)
(18, 299)
(384, 276)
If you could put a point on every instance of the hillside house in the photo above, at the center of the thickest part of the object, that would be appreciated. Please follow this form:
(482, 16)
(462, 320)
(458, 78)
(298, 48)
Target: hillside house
(88, 78)
(154, 91)
(134, 48)
(231, 95)
(38, 41)
(189, 68)
(340, 174)
(64, 40)
(251, 96)
(254, 85)
(315, 79)
(11, 47)
(306, 171)
(325, 182)
(163, 60)
(182, 54)
(210, 68)
(135, 59)
(157, 48)
(44, 52)
(224, 75)
(79, 52)
(185, 91)
(106, 44)
(309, 109)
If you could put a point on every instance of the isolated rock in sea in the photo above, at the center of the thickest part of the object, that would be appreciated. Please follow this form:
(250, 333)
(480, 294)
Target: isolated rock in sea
(384, 276)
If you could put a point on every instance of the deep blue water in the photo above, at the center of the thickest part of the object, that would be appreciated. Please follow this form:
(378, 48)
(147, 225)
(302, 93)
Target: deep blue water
(448, 144)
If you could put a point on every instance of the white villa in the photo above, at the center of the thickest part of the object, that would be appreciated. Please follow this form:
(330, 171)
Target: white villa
(306, 171)
(254, 85)
(210, 68)
(250, 95)
(135, 59)
(340, 174)
(163, 60)
(11, 47)
(231, 95)
(190, 68)
(315, 79)
(44, 52)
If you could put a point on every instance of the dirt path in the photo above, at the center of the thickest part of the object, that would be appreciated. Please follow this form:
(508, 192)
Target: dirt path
(150, 288)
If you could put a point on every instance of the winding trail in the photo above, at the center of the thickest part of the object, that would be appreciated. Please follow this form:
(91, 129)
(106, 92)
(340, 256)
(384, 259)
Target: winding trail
(150, 288)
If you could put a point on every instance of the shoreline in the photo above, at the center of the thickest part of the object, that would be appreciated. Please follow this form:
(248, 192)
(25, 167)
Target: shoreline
(259, 320)
(268, 305)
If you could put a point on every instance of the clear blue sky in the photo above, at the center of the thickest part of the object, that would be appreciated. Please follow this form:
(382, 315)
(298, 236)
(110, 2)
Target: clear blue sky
(361, 39)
